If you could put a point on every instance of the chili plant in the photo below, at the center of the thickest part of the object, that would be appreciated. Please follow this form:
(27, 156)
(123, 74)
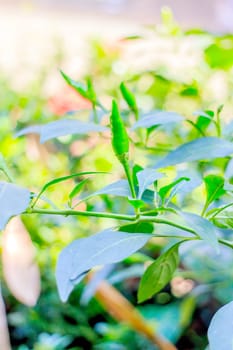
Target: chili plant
(182, 194)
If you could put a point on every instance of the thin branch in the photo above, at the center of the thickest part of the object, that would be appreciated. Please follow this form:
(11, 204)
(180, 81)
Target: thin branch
(167, 222)
(81, 213)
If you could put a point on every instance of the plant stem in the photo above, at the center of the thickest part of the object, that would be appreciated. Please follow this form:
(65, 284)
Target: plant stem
(205, 208)
(166, 222)
(218, 121)
(129, 178)
(125, 218)
(82, 213)
(226, 243)
(135, 218)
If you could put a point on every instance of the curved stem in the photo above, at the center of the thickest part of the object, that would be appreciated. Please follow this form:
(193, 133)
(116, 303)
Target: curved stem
(126, 218)
(205, 208)
(226, 243)
(129, 178)
(167, 222)
(218, 121)
(82, 213)
(135, 218)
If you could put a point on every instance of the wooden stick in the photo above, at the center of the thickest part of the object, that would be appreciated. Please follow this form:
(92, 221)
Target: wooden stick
(122, 310)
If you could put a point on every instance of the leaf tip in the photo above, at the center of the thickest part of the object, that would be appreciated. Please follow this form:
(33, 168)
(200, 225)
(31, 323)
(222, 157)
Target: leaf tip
(141, 297)
(63, 298)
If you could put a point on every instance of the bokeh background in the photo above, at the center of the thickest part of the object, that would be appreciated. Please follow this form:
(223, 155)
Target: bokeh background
(29, 28)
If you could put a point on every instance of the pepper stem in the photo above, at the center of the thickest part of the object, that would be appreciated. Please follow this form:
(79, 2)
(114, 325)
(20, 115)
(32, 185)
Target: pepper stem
(129, 177)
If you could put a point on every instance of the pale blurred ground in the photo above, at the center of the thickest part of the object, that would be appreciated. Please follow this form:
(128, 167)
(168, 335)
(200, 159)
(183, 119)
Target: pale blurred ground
(30, 30)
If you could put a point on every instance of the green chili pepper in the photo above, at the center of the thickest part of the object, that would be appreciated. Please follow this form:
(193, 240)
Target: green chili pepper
(129, 97)
(120, 140)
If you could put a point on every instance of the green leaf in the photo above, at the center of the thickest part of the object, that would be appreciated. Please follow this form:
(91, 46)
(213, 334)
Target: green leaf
(158, 274)
(61, 128)
(204, 148)
(214, 188)
(146, 177)
(220, 334)
(77, 189)
(142, 227)
(204, 228)
(128, 97)
(136, 203)
(208, 114)
(119, 188)
(190, 91)
(195, 180)
(64, 178)
(164, 191)
(103, 248)
(132, 37)
(13, 201)
(148, 197)
(220, 53)
(204, 119)
(135, 170)
(157, 118)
